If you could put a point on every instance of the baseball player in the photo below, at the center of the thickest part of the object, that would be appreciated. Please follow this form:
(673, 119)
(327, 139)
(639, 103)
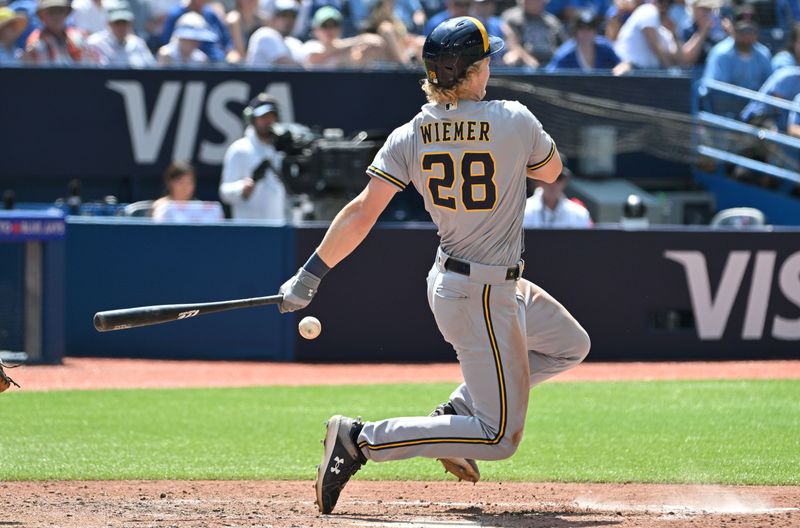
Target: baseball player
(469, 160)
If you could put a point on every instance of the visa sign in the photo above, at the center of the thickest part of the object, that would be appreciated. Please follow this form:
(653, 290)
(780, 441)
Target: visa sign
(188, 102)
(712, 306)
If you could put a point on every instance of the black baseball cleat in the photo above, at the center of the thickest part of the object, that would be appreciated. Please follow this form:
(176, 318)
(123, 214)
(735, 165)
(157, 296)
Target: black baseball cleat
(462, 468)
(340, 460)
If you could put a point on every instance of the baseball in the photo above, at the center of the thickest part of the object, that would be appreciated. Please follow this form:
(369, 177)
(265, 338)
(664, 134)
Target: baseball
(310, 327)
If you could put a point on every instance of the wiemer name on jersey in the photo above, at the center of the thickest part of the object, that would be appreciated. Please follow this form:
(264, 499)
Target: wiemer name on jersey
(451, 131)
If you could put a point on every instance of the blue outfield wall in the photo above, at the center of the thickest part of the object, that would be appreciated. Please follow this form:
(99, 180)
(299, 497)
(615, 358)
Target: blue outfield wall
(115, 263)
(642, 295)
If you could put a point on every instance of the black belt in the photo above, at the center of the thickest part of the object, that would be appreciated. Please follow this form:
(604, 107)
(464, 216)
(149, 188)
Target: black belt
(462, 268)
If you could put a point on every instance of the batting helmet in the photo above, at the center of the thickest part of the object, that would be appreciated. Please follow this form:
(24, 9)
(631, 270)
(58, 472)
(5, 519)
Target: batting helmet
(453, 45)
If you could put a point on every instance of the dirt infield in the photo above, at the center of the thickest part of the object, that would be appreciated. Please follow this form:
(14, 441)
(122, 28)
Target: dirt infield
(162, 504)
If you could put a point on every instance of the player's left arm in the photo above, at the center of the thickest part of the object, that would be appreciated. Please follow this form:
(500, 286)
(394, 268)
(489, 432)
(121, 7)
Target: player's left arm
(549, 171)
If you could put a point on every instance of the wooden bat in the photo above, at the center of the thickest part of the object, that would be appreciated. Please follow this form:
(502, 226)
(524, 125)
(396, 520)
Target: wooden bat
(164, 313)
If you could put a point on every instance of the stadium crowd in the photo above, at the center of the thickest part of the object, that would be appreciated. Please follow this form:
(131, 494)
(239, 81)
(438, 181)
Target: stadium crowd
(617, 35)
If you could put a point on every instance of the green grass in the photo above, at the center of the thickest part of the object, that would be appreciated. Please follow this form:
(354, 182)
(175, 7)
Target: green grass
(736, 432)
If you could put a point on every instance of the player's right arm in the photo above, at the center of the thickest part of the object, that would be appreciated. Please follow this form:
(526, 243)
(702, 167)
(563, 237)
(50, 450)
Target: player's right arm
(346, 232)
(354, 221)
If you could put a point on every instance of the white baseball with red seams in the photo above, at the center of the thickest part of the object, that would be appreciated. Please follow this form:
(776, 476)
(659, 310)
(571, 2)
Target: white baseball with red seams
(310, 327)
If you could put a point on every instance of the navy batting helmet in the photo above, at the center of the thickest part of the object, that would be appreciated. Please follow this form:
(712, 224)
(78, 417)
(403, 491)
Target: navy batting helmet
(453, 45)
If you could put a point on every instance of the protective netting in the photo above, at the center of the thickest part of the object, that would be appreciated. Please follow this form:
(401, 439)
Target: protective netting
(647, 115)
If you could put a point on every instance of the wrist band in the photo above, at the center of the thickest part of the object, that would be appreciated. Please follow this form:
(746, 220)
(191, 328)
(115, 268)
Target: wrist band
(316, 266)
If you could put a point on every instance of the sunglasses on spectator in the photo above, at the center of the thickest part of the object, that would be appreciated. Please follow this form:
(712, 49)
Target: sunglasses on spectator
(58, 10)
(287, 13)
(329, 24)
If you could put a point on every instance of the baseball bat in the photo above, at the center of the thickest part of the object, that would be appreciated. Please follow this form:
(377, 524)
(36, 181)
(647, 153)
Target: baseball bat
(149, 315)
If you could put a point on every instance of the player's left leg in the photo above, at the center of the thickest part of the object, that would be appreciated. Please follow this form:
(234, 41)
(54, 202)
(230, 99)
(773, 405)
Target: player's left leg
(556, 341)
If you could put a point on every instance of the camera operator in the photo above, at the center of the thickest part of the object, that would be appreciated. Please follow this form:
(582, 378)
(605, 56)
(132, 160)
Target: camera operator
(250, 181)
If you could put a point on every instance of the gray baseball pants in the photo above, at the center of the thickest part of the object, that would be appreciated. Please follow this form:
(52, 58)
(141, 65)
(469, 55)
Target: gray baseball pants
(509, 335)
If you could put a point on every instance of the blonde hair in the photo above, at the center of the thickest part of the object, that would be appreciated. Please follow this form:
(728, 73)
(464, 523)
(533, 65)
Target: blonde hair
(437, 94)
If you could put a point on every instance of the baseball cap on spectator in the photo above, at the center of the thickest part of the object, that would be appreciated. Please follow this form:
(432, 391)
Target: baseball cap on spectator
(41, 5)
(192, 26)
(708, 4)
(16, 20)
(119, 11)
(282, 6)
(744, 18)
(588, 18)
(326, 14)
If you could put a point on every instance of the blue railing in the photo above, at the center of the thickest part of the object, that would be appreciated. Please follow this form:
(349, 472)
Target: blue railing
(773, 184)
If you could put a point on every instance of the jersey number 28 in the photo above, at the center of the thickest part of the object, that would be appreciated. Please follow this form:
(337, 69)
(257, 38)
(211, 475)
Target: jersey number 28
(478, 191)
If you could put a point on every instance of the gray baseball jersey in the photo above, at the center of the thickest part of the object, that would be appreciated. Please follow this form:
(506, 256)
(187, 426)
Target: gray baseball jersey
(468, 161)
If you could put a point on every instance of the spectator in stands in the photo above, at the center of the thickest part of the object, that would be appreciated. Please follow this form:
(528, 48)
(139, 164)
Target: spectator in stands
(117, 45)
(402, 47)
(739, 60)
(273, 44)
(353, 14)
(156, 13)
(185, 46)
(55, 43)
(250, 181)
(677, 16)
(180, 183)
(89, 16)
(179, 204)
(486, 12)
(702, 33)
(411, 14)
(26, 8)
(11, 26)
(328, 49)
(570, 10)
(784, 84)
(550, 208)
(793, 122)
(791, 52)
(645, 42)
(455, 8)
(242, 22)
(533, 34)
(587, 50)
(616, 16)
(221, 48)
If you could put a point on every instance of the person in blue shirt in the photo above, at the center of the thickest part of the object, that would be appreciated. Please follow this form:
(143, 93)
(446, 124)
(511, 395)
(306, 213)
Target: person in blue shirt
(455, 8)
(586, 50)
(791, 51)
(28, 9)
(570, 10)
(739, 60)
(220, 50)
(785, 84)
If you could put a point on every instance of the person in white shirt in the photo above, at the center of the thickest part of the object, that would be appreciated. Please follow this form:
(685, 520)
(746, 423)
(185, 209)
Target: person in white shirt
(89, 15)
(250, 183)
(273, 44)
(179, 203)
(183, 49)
(549, 207)
(644, 41)
(117, 45)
